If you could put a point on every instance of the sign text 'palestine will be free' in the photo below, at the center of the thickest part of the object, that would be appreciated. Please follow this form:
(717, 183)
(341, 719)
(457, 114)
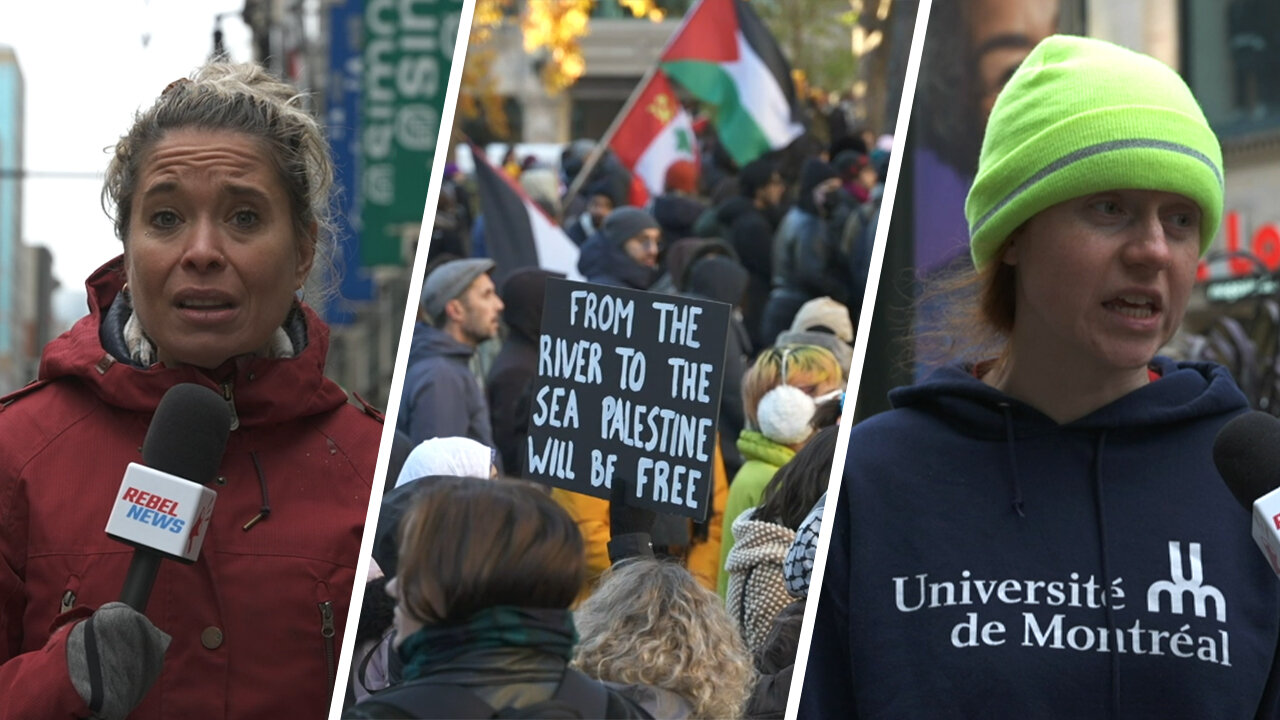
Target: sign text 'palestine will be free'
(628, 387)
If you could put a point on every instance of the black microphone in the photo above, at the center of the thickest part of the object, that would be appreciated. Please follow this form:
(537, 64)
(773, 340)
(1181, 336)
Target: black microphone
(1247, 455)
(163, 506)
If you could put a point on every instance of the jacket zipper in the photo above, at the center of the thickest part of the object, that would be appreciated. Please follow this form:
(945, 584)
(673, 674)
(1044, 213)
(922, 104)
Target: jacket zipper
(70, 592)
(229, 396)
(327, 632)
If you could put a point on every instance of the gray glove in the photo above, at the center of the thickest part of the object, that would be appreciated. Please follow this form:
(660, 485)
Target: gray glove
(114, 658)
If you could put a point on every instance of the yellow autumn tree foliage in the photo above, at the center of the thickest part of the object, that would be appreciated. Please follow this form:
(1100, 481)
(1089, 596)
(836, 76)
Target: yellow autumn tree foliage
(552, 30)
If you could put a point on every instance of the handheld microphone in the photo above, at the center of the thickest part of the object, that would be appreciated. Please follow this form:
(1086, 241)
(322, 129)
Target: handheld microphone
(1247, 455)
(163, 506)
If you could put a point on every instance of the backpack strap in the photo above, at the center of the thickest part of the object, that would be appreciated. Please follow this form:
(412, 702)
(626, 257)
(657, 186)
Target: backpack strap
(392, 664)
(427, 700)
(589, 696)
(431, 701)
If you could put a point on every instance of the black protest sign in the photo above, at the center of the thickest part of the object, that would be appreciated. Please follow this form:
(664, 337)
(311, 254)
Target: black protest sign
(628, 387)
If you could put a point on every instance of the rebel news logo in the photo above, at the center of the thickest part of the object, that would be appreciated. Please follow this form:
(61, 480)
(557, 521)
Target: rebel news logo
(151, 509)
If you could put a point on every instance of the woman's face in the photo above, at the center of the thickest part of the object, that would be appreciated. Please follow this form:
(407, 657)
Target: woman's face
(1103, 280)
(405, 624)
(212, 258)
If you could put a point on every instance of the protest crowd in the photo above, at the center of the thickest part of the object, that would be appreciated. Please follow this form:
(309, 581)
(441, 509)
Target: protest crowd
(687, 603)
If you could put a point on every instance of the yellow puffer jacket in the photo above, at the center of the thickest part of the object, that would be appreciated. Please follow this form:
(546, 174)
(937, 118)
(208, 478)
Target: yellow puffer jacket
(592, 516)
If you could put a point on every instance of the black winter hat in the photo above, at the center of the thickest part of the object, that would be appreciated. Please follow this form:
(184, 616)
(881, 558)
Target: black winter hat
(626, 223)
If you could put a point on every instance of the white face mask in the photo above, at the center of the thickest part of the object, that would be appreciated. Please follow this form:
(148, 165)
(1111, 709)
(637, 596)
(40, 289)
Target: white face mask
(784, 414)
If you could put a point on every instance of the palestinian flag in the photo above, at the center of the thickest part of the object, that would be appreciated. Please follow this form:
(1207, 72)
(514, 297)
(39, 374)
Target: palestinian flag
(656, 132)
(517, 233)
(725, 56)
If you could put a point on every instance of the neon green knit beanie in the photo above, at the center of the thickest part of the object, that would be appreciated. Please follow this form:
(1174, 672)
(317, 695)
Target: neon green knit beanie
(1082, 116)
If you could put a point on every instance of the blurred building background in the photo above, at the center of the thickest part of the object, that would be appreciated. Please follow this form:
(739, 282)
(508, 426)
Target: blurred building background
(1228, 51)
(26, 278)
(11, 97)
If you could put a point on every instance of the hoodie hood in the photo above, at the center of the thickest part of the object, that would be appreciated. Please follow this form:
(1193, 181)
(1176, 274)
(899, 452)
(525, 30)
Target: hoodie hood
(813, 174)
(732, 208)
(523, 295)
(432, 341)
(684, 253)
(718, 278)
(608, 264)
(611, 179)
(1184, 391)
(676, 214)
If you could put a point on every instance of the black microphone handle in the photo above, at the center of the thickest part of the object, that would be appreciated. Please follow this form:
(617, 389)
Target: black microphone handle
(140, 578)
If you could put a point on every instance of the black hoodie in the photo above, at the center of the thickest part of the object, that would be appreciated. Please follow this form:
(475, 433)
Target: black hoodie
(721, 278)
(516, 366)
(804, 260)
(750, 233)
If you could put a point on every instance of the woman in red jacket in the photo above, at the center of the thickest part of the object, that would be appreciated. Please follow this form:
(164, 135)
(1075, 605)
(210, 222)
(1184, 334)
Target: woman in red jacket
(220, 193)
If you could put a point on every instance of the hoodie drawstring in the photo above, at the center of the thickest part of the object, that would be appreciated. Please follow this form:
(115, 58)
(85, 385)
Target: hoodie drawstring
(1018, 506)
(265, 512)
(1013, 459)
(1106, 571)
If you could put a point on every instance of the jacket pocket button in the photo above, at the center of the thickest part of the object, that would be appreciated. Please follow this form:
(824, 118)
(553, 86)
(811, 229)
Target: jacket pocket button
(211, 638)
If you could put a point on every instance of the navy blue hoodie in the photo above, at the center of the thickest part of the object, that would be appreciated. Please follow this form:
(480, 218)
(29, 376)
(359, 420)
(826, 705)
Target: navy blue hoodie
(987, 562)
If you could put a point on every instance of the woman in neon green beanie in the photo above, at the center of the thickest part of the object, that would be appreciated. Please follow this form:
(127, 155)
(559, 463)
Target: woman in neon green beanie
(1038, 529)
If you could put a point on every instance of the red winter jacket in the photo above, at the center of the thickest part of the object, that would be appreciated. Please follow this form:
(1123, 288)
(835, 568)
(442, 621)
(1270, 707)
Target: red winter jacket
(256, 621)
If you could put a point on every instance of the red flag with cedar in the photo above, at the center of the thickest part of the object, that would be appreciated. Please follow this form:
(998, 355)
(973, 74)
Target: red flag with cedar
(656, 133)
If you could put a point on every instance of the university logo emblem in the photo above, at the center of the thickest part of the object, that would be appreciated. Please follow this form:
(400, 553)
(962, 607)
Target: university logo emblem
(1182, 585)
